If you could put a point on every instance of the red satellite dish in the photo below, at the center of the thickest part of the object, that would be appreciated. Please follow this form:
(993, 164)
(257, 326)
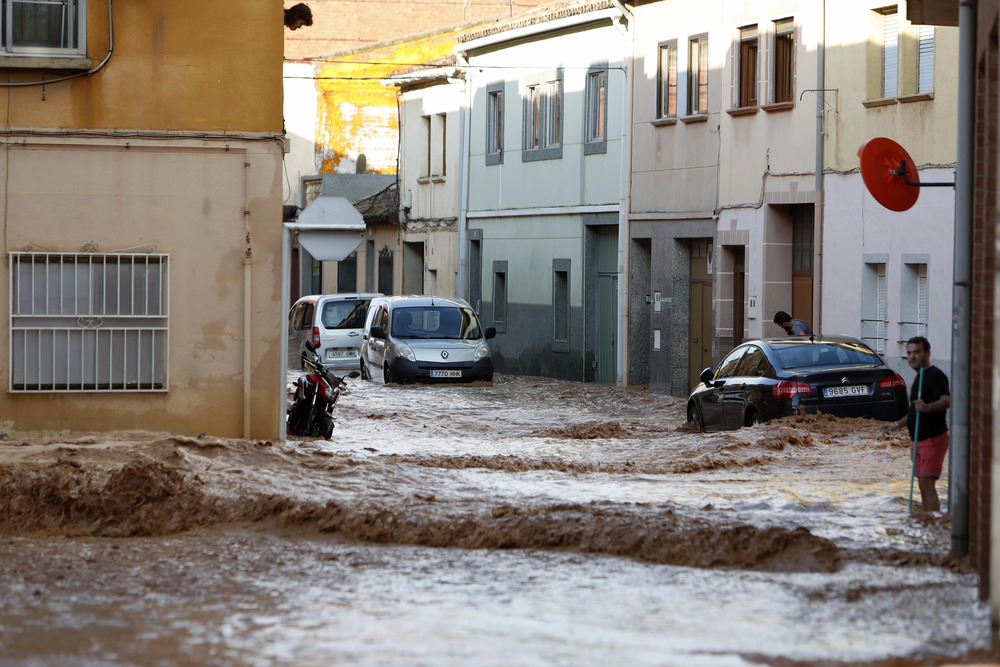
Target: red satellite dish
(880, 160)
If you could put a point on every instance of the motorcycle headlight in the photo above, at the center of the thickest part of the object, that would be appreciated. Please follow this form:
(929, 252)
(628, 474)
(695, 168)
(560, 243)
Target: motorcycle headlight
(482, 352)
(405, 351)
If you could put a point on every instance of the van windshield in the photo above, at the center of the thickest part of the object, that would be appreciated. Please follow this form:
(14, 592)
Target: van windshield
(345, 313)
(436, 322)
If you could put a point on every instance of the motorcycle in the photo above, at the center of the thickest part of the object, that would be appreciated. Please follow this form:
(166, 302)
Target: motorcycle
(311, 412)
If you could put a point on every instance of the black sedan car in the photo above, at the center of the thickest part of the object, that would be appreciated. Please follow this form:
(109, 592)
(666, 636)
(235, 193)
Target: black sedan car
(776, 377)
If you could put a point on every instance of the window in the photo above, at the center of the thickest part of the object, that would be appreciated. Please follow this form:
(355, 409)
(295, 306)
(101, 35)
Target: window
(308, 314)
(560, 305)
(500, 296)
(748, 367)
(890, 52)
(925, 59)
(347, 274)
(784, 42)
(666, 103)
(49, 27)
(553, 111)
(596, 117)
(873, 307)
(494, 123)
(698, 76)
(728, 366)
(913, 310)
(543, 118)
(439, 144)
(89, 322)
(533, 100)
(747, 94)
(425, 147)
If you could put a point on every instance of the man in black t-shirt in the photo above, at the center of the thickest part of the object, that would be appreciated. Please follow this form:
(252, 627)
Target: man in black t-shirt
(932, 404)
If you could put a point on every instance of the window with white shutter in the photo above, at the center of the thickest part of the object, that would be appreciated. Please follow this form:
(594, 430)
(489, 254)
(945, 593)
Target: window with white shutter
(874, 307)
(925, 59)
(890, 52)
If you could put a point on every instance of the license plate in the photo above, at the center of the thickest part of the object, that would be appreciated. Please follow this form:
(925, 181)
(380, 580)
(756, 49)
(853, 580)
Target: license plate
(446, 374)
(333, 354)
(853, 390)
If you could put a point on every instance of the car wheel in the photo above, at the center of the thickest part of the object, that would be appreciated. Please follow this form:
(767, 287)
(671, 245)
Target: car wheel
(695, 418)
(753, 418)
(386, 375)
(365, 375)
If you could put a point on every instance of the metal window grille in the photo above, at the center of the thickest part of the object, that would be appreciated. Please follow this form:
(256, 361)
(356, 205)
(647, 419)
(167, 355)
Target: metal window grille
(925, 59)
(890, 52)
(874, 330)
(922, 300)
(84, 322)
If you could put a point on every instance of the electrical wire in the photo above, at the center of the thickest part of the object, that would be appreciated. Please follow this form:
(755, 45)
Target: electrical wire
(111, 48)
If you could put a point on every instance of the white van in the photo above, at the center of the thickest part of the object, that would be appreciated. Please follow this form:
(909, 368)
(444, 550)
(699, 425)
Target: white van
(333, 323)
(425, 339)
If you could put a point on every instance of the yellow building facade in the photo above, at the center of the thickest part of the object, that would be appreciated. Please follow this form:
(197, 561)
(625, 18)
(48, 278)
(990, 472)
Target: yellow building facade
(141, 172)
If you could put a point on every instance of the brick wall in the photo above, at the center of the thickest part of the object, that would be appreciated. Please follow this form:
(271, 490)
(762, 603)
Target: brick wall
(984, 256)
(339, 25)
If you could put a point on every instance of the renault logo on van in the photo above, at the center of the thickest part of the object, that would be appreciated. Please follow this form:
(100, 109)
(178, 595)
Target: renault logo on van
(444, 354)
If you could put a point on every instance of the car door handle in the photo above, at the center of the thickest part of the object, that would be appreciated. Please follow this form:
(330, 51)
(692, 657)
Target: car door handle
(353, 334)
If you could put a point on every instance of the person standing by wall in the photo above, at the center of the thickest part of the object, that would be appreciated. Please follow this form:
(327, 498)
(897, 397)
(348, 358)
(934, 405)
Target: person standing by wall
(932, 404)
(298, 16)
(792, 327)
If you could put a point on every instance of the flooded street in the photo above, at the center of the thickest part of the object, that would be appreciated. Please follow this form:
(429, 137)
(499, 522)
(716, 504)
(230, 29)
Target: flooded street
(528, 522)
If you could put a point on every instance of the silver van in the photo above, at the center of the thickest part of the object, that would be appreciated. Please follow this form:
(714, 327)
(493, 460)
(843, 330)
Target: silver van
(333, 323)
(425, 339)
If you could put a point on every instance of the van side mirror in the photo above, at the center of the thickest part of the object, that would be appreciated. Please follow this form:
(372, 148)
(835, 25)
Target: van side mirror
(377, 332)
(706, 376)
(490, 332)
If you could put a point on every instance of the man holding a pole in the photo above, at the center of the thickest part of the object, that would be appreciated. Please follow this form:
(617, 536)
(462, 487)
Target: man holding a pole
(930, 399)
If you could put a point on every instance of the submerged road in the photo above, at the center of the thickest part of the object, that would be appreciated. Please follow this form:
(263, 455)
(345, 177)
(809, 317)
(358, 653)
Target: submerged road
(527, 522)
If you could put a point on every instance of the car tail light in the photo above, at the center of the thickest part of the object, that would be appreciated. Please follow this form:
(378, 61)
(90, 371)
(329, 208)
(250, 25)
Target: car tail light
(896, 381)
(788, 388)
(316, 337)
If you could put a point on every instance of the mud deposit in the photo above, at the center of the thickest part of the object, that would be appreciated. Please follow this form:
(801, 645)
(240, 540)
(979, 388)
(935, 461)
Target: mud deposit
(444, 525)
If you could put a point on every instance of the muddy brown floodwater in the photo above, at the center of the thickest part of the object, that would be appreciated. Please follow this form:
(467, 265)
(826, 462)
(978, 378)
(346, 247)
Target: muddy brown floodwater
(527, 522)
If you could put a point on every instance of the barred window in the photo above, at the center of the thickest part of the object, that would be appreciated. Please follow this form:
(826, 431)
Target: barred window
(89, 322)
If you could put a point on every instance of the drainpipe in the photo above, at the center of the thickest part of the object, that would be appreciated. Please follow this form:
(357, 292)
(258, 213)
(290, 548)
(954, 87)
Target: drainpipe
(817, 323)
(247, 273)
(625, 197)
(958, 468)
(464, 130)
(286, 286)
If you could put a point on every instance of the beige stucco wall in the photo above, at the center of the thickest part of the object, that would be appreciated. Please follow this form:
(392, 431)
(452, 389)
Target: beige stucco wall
(925, 128)
(187, 197)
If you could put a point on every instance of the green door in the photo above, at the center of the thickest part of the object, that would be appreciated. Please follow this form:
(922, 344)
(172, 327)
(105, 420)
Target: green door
(607, 304)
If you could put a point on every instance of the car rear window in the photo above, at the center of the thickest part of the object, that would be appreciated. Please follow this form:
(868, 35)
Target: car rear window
(345, 313)
(435, 322)
(825, 355)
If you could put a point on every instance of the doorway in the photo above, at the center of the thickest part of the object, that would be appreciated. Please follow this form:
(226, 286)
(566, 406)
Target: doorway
(606, 329)
(739, 289)
(802, 262)
(413, 267)
(699, 311)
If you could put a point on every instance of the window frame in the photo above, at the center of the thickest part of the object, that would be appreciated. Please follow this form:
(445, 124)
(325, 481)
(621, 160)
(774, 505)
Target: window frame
(748, 55)
(561, 313)
(663, 81)
(494, 123)
(92, 316)
(599, 145)
(500, 269)
(694, 75)
(780, 34)
(8, 49)
(537, 136)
